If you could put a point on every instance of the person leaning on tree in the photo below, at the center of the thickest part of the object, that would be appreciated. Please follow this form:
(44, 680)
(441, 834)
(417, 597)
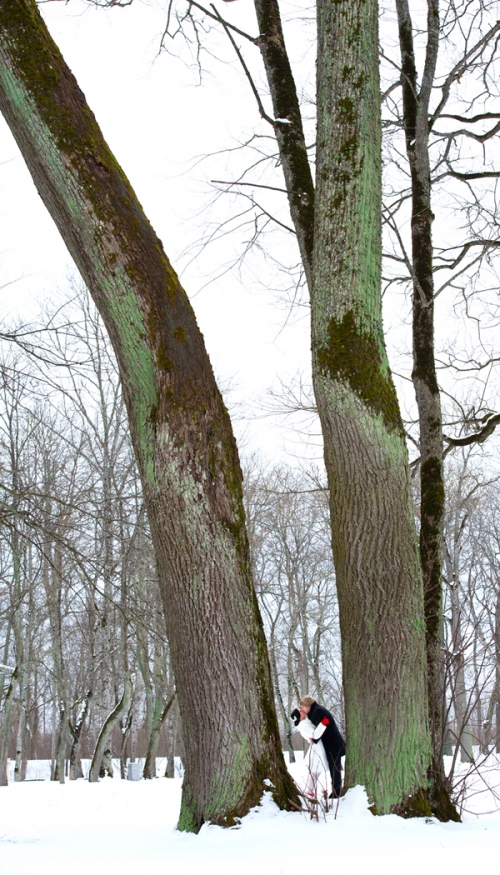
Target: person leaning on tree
(332, 740)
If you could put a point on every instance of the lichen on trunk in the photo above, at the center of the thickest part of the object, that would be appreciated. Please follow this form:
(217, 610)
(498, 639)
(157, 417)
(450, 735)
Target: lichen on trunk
(180, 429)
(375, 544)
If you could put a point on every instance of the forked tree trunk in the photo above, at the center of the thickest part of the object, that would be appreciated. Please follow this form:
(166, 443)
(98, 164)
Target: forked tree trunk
(374, 538)
(180, 429)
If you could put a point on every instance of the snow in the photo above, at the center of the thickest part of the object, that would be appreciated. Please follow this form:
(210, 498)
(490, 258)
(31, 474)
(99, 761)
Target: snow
(121, 827)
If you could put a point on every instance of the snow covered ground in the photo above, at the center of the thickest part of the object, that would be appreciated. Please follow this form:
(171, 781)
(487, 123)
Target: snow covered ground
(122, 827)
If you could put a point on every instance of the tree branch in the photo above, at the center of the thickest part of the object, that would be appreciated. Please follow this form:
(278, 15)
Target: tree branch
(255, 92)
(459, 69)
(479, 437)
(226, 24)
(290, 137)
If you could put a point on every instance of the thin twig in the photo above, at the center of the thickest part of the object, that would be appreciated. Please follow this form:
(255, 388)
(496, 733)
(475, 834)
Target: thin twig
(250, 184)
(262, 111)
(218, 17)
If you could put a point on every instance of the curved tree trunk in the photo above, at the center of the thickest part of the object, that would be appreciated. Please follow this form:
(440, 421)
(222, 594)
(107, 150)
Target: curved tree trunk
(180, 429)
(107, 728)
(374, 538)
(159, 717)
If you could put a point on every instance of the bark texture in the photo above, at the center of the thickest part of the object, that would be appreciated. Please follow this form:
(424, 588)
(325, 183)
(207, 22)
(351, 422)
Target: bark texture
(374, 538)
(102, 743)
(180, 429)
(75, 762)
(289, 131)
(6, 722)
(159, 717)
(432, 501)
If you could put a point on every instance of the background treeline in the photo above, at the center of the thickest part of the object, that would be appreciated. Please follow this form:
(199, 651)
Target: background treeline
(80, 614)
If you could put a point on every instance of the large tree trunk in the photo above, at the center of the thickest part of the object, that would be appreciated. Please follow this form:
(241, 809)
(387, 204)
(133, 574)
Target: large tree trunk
(375, 543)
(432, 496)
(180, 429)
(374, 538)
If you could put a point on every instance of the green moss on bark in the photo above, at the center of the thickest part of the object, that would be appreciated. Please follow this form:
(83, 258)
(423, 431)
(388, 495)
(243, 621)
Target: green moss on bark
(133, 284)
(432, 801)
(188, 822)
(439, 796)
(414, 805)
(355, 358)
(433, 497)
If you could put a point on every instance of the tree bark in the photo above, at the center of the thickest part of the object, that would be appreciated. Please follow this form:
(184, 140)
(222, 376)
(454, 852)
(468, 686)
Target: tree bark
(432, 494)
(374, 538)
(497, 672)
(75, 762)
(159, 717)
(460, 696)
(173, 731)
(107, 728)
(289, 131)
(377, 568)
(4, 740)
(62, 743)
(180, 429)
(287, 726)
(21, 728)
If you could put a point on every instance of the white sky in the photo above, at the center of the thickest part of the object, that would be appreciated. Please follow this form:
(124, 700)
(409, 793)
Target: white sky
(158, 121)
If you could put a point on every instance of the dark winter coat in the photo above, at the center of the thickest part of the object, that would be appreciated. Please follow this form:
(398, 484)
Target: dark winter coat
(331, 738)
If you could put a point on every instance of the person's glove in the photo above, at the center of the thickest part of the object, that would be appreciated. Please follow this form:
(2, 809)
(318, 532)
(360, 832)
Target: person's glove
(295, 715)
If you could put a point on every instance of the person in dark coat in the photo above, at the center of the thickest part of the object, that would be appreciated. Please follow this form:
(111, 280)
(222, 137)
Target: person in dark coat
(332, 740)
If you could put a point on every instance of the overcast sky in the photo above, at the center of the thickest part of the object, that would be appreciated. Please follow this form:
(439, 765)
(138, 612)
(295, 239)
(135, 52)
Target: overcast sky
(159, 120)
